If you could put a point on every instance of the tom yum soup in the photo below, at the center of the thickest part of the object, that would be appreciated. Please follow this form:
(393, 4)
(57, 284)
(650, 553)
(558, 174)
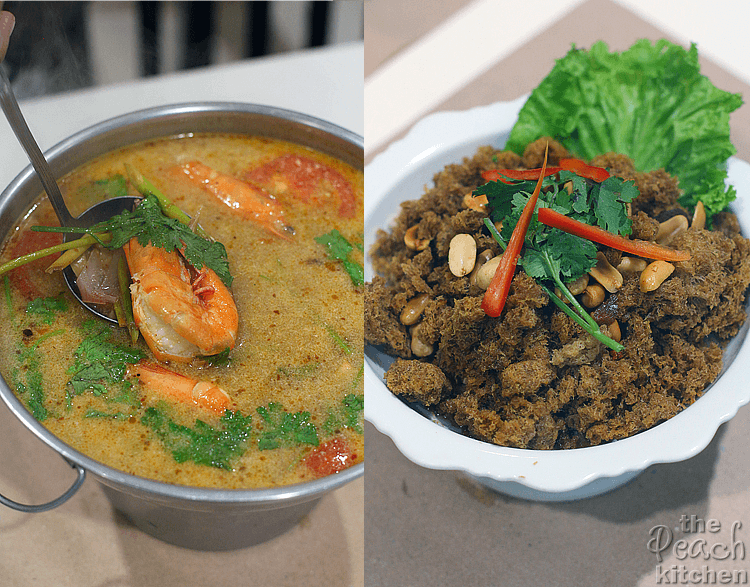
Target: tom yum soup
(237, 284)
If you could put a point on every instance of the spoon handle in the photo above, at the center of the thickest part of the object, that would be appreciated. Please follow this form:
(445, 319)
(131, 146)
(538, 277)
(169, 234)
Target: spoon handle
(21, 129)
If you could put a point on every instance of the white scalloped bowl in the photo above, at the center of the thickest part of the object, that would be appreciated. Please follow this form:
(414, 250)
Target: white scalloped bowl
(400, 173)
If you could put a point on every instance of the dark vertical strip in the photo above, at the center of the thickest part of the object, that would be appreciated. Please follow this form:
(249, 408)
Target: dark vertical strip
(257, 25)
(149, 12)
(319, 23)
(200, 24)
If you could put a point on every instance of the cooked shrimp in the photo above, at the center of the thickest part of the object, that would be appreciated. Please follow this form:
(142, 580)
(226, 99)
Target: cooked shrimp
(181, 313)
(246, 199)
(163, 382)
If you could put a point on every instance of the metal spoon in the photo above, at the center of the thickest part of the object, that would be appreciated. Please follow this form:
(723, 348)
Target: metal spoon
(97, 213)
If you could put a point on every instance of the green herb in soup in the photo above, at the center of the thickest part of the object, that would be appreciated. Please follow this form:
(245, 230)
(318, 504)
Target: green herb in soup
(283, 428)
(100, 364)
(339, 249)
(45, 308)
(243, 374)
(202, 444)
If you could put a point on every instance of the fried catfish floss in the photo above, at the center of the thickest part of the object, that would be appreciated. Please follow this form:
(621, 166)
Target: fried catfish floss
(182, 312)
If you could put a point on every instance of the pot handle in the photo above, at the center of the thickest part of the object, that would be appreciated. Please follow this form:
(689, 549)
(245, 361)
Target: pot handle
(43, 507)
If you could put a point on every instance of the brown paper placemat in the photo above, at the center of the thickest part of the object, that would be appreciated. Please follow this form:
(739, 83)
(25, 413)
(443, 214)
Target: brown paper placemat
(426, 527)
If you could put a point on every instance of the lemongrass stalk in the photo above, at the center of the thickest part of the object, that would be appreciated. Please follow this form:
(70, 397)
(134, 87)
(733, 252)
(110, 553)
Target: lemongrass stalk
(120, 314)
(40, 254)
(67, 258)
(170, 210)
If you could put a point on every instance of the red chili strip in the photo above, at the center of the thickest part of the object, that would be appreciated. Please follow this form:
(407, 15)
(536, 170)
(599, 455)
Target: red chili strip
(496, 294)
(598, 174)
(646, 249)
(516, 174)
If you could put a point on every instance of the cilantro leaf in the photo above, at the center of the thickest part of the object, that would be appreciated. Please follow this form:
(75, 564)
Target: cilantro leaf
(203, 444)
(500, 196)
(610, 213)
(348, 415)
(100, 364)
(31, 384)
(285, 429)
(574, 255)
(339, 249)
(45, 308)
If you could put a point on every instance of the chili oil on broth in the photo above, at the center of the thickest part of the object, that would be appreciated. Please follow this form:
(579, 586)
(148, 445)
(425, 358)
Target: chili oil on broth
(289, 297)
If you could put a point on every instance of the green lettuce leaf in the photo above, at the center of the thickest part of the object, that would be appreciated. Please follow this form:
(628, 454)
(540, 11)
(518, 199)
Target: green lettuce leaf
(650, 103)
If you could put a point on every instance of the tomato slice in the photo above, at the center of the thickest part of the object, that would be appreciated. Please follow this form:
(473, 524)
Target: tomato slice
(305, 179)
(30, 279)
(330, 457)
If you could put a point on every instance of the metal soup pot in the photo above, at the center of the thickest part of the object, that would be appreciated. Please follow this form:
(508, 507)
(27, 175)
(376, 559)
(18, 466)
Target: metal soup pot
(192, 517)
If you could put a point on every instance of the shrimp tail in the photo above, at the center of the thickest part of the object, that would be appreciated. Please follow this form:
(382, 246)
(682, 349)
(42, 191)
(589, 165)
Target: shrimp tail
(246, 199)
(163, 383)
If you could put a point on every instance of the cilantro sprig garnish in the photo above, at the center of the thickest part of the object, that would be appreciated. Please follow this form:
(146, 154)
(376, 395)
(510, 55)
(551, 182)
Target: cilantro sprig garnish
(551, 255)
(349, 414)
(149, 224)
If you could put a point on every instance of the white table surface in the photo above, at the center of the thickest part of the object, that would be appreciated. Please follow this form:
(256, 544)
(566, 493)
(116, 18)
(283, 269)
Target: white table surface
(325, 83)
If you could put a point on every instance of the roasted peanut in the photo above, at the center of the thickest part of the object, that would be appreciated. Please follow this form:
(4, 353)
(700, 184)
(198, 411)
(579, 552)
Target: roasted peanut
(559, 294)
(413, 309)
(655, 274)
(605, 274)
(418, 347)
(414, 243)
(575, 287)
(699, 216)
(671, 228)
(462, 254)
(632, 265)
(482, 258)
(487, 272)
(476, 203)
(593, 295)
(579, 285)
(612, 330)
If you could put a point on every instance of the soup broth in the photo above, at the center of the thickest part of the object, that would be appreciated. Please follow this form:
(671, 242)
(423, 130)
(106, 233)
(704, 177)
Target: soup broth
(294, 376)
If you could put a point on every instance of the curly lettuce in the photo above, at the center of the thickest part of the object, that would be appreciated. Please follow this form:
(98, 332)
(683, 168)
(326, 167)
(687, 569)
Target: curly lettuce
(650, 103)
